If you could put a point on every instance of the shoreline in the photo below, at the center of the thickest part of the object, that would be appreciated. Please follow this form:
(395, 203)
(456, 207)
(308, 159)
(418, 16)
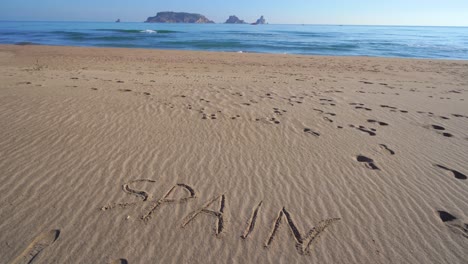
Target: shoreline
(11, 47)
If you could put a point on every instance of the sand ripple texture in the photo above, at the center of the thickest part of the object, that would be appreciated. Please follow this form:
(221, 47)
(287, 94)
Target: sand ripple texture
(137, 156)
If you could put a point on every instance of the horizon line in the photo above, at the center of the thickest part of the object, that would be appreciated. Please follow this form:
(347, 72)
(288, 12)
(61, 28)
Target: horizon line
(222, 23)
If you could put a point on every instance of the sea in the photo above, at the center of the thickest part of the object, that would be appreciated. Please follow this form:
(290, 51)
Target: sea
(335, 40)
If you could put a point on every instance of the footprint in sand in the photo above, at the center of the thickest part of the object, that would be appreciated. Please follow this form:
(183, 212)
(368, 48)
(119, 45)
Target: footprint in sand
(384, 147)
(275, 121)
(447, 135)
(454, 223)
(364, 108)
(378, 122)
(387, 106)
(209, 116)
(268, 120)
(370, 131)
(279, 111)
(119, 261)
(458, 115)
(367, 161)
(309, 131)
(440, 129)
(36, 247)
(125, 90)
(457, 174)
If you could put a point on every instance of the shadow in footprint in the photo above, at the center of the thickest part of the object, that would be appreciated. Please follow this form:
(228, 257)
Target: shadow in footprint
(368, 162)
(371, 132)
(119, 261)
(447, 135)
(457, 174)
(383, 146)
(378, 122)
(441, 128)
(446, 217)
(436, 127)
(453, 223)
(41, 242)
(309, 131)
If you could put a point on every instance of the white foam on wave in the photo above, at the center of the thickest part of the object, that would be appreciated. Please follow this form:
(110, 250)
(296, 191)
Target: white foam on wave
(149, 31)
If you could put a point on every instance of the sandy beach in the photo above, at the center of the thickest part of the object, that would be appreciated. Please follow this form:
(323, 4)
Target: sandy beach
(112, 155)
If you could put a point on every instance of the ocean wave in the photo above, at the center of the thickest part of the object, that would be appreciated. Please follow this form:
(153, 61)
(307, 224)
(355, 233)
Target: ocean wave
(307, 34)
(167, 31)
(120, 30)
(323, 40)
(149, 31)
(205, 44)
(127, 35)
(70, 33)
(113, 38)
(137, 31)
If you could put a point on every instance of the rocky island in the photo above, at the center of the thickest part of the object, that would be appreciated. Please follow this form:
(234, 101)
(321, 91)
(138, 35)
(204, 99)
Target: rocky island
(178, 17)
(260, 21)
(234, 20)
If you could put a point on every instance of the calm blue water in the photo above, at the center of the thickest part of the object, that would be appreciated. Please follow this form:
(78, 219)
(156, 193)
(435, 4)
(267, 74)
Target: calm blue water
(378, 41)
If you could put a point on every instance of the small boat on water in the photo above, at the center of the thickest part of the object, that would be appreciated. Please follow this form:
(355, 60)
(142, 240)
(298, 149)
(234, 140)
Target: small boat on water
(117, 21)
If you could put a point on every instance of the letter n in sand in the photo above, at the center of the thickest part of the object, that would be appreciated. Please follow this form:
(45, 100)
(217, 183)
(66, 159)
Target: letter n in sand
(303, 242)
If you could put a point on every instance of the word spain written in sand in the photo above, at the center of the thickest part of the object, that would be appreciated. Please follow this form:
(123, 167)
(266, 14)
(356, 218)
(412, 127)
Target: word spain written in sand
(216, 208)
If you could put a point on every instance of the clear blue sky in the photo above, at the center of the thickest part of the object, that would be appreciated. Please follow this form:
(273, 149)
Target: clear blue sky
(363, 12)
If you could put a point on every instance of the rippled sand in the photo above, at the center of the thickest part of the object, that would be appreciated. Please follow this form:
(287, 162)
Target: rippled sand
(148, 156)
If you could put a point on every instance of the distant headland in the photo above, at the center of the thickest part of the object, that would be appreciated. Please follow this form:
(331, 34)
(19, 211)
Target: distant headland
(178, 17)
(192, 18)
(234, 20)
